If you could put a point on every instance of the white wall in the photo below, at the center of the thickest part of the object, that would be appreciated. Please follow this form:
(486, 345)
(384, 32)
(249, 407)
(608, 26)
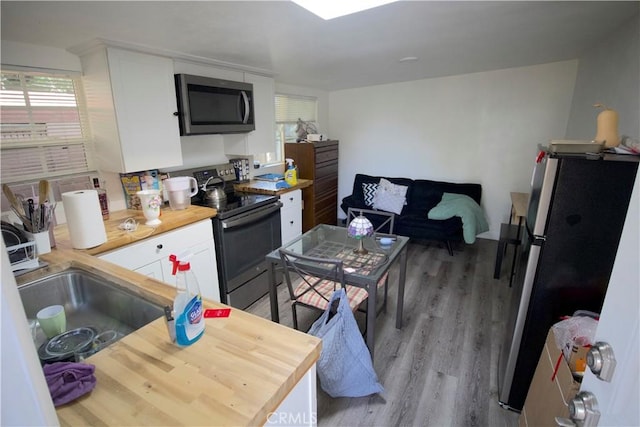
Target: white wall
(34, 56)
(609, 73)
(482, 127)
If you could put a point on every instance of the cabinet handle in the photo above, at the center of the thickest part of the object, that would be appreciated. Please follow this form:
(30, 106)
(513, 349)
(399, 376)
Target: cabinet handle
(291, 222)
(291, 199)
(175, 113)
(159, 246)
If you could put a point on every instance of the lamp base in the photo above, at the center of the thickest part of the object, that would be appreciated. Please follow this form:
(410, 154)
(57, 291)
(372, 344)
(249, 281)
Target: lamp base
(360, 250)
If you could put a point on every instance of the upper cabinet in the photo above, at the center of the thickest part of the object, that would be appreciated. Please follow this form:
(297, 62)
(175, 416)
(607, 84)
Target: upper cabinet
(262, 139)
(131, 99)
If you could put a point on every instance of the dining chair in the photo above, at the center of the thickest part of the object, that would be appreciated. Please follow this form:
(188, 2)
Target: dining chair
(382, 223)
(313, 290)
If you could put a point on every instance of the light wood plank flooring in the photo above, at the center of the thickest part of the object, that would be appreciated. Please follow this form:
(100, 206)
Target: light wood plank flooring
(440, 369)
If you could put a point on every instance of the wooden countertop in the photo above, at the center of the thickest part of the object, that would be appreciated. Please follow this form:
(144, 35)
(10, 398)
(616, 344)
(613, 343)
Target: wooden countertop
(267, 187)
(236, 374)
(117, 238)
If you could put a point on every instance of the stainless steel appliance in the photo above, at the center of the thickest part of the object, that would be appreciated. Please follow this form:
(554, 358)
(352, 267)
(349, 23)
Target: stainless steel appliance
(208, 106)
(576, 212)
(245, 230)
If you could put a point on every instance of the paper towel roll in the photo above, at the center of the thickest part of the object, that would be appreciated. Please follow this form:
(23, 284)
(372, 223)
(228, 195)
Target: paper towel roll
(84, 218)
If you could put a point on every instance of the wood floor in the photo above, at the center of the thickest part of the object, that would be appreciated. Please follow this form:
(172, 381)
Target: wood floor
(440, 369)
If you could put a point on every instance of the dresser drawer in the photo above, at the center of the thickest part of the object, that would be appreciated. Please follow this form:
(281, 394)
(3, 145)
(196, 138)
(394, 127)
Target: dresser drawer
(327, 169)
(326, 185)
(328, 215)
(324, 200)
(326, 154)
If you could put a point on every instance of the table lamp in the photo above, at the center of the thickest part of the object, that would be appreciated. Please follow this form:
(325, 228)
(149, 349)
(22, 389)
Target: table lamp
(360, 228)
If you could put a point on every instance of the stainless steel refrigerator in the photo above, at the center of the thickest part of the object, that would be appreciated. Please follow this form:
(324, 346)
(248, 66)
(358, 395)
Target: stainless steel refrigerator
(577, 208)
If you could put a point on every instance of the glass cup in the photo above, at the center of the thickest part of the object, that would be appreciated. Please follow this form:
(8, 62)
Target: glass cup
(52, 320)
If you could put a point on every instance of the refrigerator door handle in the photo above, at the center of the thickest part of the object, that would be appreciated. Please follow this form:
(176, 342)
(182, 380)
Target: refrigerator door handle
(544, 203)
(523, 307)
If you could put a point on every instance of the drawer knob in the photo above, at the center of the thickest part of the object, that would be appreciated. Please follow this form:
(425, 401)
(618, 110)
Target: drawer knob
(159, 246)
(291, 222)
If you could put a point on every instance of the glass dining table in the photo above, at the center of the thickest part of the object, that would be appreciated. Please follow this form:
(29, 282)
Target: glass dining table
(330, 241)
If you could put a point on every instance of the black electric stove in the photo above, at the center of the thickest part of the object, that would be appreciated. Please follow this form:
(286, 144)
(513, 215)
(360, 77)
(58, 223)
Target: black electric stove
(236, 204)
(245, 229)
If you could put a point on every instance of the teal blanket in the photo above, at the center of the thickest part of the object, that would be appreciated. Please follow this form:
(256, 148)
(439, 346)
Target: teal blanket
(473, 219)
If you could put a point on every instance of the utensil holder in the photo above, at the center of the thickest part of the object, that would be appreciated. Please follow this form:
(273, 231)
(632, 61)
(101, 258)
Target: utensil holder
(43, 244)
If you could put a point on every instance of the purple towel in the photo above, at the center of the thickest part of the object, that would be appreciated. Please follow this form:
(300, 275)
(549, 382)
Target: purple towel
(67, 381)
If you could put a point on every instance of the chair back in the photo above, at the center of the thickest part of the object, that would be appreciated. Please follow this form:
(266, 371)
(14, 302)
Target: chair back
(382, 221)
(314, 271)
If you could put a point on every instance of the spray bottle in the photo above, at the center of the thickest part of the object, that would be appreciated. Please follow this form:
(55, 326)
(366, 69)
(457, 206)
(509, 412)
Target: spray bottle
(187, 306)
(291, 175)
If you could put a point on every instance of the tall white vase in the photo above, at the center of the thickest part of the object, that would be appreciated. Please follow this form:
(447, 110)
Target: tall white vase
(151, 202)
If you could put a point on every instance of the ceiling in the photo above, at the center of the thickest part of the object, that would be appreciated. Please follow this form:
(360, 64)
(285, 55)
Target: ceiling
(299, 48)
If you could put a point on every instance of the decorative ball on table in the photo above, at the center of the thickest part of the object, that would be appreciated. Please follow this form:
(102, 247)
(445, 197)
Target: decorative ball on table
(360, 228)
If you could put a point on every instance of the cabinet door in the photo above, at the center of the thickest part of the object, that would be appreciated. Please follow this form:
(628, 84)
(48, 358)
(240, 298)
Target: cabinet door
(151, 256)
(291, 215)
(145, 100)
(203, 266)
(153, 270)
(262, 139)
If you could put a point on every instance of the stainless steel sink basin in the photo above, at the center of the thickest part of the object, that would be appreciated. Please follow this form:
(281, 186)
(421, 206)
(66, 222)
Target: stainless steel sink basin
(90, 301)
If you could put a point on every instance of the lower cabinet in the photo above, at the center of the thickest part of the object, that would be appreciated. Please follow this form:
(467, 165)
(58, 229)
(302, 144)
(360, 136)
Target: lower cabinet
(300, 407)
(151, 256)
(291, 215)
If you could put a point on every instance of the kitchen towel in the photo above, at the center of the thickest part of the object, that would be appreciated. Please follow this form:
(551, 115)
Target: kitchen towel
(84, 218)
(67, 381)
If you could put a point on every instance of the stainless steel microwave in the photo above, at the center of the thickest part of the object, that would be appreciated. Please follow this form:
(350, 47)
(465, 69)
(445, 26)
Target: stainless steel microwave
(207, 105)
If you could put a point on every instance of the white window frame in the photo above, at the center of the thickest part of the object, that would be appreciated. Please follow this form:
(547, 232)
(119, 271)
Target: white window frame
(43, 155)
(290, 108)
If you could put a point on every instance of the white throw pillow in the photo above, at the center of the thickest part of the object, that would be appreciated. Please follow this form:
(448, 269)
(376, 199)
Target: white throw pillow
(390, 197)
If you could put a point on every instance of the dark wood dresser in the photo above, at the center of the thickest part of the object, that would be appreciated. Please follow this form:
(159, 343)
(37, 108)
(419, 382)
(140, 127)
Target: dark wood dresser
(317, 161)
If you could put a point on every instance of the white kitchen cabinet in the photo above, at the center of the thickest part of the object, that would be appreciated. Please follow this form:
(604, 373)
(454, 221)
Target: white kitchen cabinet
(131, 100)
(262, 139)
(151, 256)
(299, 408)
(291, 215)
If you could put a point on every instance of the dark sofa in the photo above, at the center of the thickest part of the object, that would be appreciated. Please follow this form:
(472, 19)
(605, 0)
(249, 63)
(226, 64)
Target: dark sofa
(422, 196)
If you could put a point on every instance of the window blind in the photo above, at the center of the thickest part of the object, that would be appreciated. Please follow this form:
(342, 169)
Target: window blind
(44, 128)
(290, 108)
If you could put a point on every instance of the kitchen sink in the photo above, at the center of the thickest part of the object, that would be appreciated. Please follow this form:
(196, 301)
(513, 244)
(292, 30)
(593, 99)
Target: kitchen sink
(90, 301)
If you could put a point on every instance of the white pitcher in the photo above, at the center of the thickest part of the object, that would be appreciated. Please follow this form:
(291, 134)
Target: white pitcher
(180, 190)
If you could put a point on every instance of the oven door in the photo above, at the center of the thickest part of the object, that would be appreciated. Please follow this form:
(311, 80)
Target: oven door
(243, 242)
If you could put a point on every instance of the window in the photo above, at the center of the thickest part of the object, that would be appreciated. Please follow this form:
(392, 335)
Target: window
(290, 108)
(44, 130)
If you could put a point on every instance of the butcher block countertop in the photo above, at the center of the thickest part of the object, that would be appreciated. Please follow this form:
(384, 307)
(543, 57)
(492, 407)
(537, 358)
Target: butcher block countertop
(268, 187)
(241, 369)
(117, 238)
